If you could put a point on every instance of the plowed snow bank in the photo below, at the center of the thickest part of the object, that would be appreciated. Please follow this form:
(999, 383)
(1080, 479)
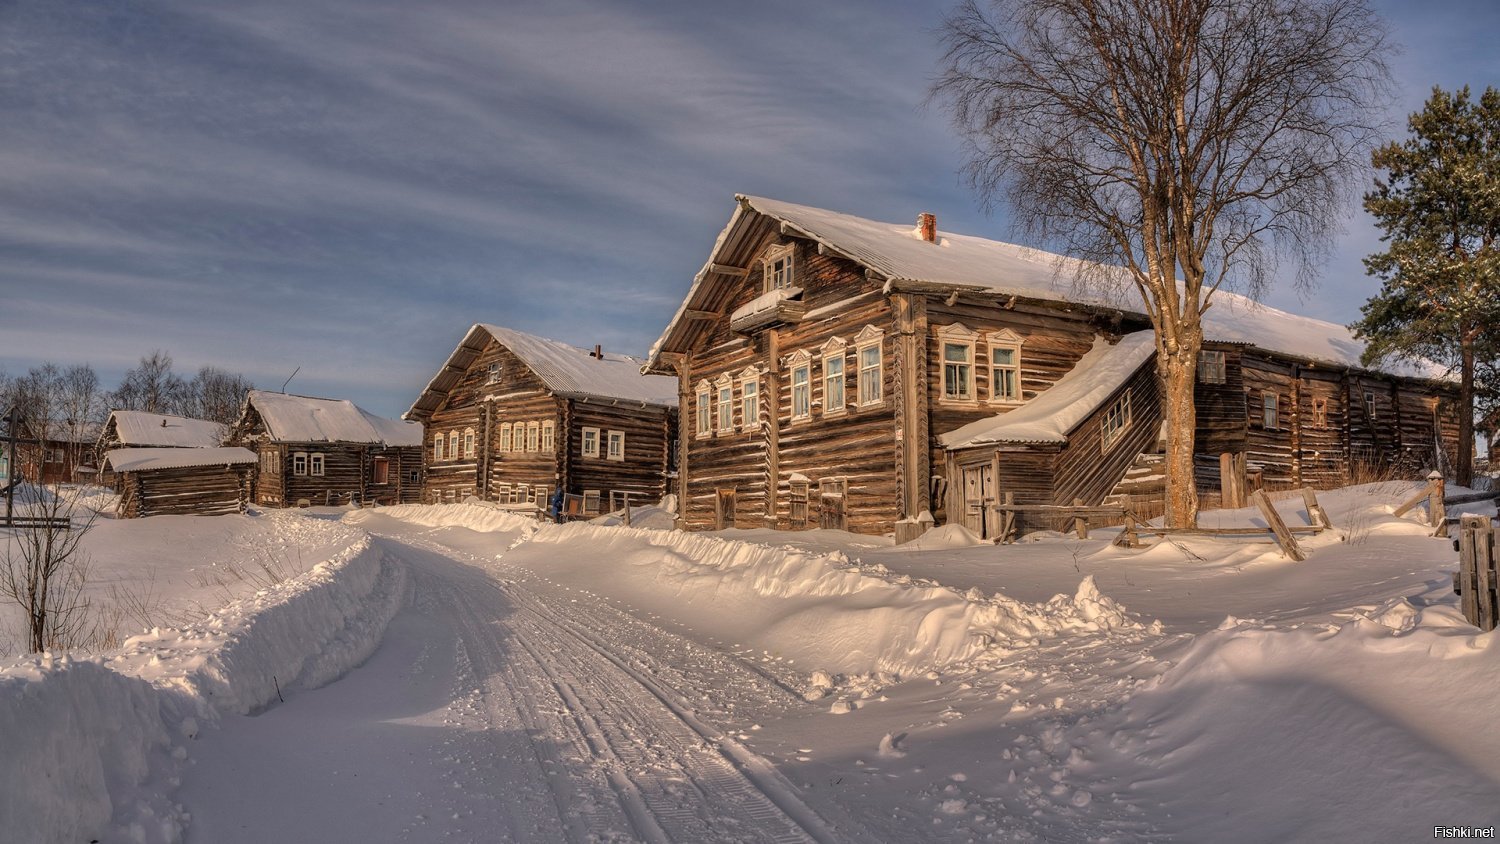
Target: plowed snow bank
(81, 734)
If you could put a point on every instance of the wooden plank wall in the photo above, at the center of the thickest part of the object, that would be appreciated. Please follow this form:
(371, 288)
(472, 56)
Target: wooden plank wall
(191, 491)
(647, 437)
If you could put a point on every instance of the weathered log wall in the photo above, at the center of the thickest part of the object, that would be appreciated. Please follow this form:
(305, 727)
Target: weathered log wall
(191, 491)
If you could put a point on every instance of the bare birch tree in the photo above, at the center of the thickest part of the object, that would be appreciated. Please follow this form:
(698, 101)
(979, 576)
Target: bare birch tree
(44, 571)
(1183, 144)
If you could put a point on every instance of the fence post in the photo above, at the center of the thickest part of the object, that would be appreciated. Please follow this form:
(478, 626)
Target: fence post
(1284, 537)
(1437, 508)
(627, 509)
(1080, 522)
(1476, 572)
(1008, 522)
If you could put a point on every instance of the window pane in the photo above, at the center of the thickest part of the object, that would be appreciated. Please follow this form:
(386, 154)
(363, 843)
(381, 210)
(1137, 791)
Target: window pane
(1003, 357)
(955, 352)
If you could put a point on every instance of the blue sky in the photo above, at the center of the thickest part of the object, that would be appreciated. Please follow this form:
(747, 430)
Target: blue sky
(347, 185)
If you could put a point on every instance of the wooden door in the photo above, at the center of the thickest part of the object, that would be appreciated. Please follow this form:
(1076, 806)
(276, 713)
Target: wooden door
(979, 496)
(832, 511)
(724, 509)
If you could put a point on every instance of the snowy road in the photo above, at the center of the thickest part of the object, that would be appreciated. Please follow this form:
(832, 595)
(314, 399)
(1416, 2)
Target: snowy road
(504, 707)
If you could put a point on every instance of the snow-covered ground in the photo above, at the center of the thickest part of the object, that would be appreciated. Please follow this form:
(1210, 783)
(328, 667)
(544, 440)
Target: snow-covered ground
(594, 682)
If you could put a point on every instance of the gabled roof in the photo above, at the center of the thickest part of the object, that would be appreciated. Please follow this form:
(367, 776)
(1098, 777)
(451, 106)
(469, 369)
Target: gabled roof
(1051, 416)
(896, 253)
(139, 428)
(565, 370)
(148, 459)
(306, 419)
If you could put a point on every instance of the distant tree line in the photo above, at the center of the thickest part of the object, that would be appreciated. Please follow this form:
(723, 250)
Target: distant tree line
(69, 403)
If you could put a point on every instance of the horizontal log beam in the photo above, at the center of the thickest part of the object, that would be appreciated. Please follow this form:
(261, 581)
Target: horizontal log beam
(726, 269)
(691, 313)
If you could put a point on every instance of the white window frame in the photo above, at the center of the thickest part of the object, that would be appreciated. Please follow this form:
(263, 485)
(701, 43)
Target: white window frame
(317, 464)
(453, 452)
(1212, 367)
(1002, 340)
(1116, 421)
(774, 279)
(589, 442)
(612, 439)
(437, 446)
(299, 464)
(1370, 409)
(724, 404)
(1270, 410)
(549, 436)
(835, 351)
(705, 419)
(870, 391)
(749, 399)
(506, 432)
(468, 442)
(534, 436)
(957, 335)
(800, 362)
(492, 375)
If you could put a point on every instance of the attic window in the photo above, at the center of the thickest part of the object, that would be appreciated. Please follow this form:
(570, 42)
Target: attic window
(779, 268)
(1116, 420)
(493, 375)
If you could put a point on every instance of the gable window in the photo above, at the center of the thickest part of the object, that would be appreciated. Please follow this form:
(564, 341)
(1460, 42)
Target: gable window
(833, 377)
(868, 354)
(453, 452)
(749, 400)
(299, 463)
(801, 389)
(381, 471)
(468, 442)
(1320, 413)
(493, 375)
(505, 437)
(778, 265)
(1005, 367)
(725, 390)
(590, 442)
(533, 436)
(1370, 407)
(1268, 414)
(616, 446)
(705, 410)
(315, 464)
(1211, 367)
(548, 437)
(437, 446)
(1116, 420)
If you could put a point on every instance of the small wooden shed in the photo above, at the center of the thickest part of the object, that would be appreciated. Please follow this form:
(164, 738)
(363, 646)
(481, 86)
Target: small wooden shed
(182, 481)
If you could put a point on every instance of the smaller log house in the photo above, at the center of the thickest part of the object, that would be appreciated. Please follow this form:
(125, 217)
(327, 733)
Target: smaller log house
(317, 451)
(181, 481)
(141, 429)
(511, 417)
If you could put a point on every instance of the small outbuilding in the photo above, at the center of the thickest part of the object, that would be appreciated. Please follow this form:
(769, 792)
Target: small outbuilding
(182, 481)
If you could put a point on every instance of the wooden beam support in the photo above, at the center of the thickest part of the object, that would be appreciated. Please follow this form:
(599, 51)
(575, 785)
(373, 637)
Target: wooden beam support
(691, 313)
(726, 269)
(1284, 537)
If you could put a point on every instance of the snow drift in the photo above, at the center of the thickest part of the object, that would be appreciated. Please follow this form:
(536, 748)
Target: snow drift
(81, 734)
(822, 610)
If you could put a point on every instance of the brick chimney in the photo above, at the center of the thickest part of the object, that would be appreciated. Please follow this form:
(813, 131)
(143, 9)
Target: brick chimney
(927, 225)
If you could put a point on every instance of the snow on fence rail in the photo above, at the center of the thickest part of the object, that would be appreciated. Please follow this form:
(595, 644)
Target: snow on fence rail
(80, 734)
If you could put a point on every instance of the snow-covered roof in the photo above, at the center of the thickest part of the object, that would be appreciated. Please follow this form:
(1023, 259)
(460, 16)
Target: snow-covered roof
(897, 252)
(1049, 417)
(305, 419)
(568, 371)
(139, 428)
(148, 459)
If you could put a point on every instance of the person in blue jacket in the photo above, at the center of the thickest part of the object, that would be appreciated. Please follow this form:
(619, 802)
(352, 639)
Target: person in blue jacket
(558, 498)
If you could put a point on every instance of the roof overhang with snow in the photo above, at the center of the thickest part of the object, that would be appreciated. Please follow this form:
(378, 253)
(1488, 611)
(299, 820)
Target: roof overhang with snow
(898, 256)
(567, 371)
(291, 418)
(153, 459)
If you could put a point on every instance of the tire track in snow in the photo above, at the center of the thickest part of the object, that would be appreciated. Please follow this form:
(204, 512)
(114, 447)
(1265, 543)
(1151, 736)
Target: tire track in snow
(625, 756)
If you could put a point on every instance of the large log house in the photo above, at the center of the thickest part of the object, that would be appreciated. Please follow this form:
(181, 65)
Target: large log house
(327, 451)
(840, 372)
(511, 416)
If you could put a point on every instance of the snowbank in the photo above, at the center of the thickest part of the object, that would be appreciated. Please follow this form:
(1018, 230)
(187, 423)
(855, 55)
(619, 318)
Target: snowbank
(822, 610)
(474, 515)
(1385, 717)
(80, 735)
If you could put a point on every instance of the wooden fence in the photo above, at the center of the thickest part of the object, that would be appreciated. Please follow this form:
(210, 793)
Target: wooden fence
(1477, 571)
